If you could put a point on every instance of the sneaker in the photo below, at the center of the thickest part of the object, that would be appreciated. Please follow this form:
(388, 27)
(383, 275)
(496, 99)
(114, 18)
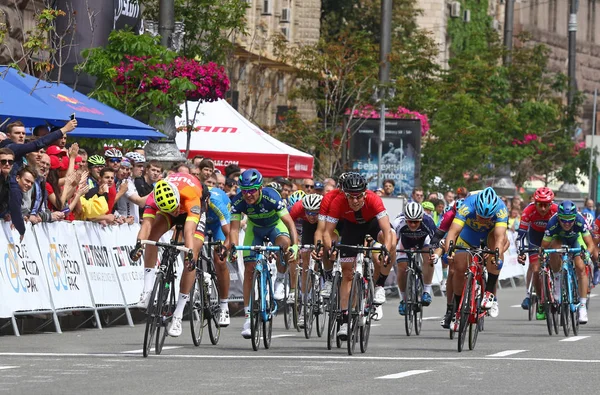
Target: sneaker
(540, 314)
(443, 285)
(143, 302)
(174, 329)
(279, 292)
(583, 319)
(525, 303)
(446, 321)
(224, 319)
(379, 297)
(488, 300)
(246, 332)
(343, 332)
(291, 297)
(378, 313)
(326, 291)
(494, 310)
(426, 299)
(301, 319)
(402, 308)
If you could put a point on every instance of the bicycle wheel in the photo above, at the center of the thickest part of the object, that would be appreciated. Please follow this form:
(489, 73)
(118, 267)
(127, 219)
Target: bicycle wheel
(297, 301)
(408, 303)
(476, 326)
(354, 306)
(565, 307)
(465, 311)
(322, 313)
(255, 309)
(369, 310)
(197, 310)
(531, 310)
(287, 312)
(167, 294)
(333, 306)
(418, 310)
(545, 301)
(267, 326)
(213, 310)
(451, 331)
(153, 314)
(309, 303)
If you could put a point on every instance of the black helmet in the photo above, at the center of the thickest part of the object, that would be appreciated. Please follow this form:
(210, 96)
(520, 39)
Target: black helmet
(354, 183)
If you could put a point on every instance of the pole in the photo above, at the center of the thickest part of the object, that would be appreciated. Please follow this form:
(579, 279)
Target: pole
(509, 18)
(166, 22)
(590, 173)
(385, 48)
(572, 50)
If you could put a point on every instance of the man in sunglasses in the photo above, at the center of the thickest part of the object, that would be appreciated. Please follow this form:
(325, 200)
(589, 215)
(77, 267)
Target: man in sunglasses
(7, 158)
(113, 158)
(308, 186)
(534, 220)
(568, 227)
(267, 217)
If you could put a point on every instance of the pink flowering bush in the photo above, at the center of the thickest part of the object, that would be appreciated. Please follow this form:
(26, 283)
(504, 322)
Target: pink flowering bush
(400, 113)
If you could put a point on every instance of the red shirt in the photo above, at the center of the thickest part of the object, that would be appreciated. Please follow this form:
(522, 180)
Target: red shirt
(372, 208)
(297, 211)
(531, 219)
(326, 202)
(447, 220)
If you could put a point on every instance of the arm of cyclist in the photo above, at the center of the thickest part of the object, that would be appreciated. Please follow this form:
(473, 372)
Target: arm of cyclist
(592, 249)
(388, 238)
(289, 223)
(500, 240)
(453, 233)
(234, 235)
(143, 234)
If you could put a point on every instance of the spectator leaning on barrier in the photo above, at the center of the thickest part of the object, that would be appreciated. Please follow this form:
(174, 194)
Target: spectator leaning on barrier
(98, 203)
(35, 201)
(129, 204)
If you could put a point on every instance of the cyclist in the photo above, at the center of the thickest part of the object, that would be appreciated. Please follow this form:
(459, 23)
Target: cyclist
(364, 214)
(483, 219)
(177, 199)
(534, 219)
(568, 227)
(306, 212)
(267, 217)
(414, 230)
(218, 221)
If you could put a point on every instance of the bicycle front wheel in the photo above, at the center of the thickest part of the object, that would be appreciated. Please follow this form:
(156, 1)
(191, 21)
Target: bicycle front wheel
(545, 300)
(267, 326)
(309, 303)
(333, 306)
(213, 310)
(255, 310)
(197, 310)
(369, 310)
(409, 302)
(321, 310)
(167, 294)
(465, 311)
(354, 306)
(287, 311)
(565, 306)
(152, 314)
(418, 318)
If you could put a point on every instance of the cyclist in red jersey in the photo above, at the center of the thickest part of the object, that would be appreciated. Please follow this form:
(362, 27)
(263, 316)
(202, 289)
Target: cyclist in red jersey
(178, 199)
(534, 219)
(364, 214)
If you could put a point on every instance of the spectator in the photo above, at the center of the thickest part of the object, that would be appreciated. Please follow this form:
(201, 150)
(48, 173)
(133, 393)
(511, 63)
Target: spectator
(211, 181)
(2, 136)
(440, 205)
(231, 187)
(379, 192)
(95, 209)
(319, 187)
(195, 171)
(128, 205)
(40, 131)
(207, 167)
(197, 159)
(516, 202)
(329, 181)
(429, 208)
(294, 187)
(432, 196)
(328, 188)
(84, 157)
(6, 162)
(144, 185)
(589, 207)
(286, 186)
(388, 187)
(140, 151)
(113, 158)
(461, 193)
(308, 186)
(182, 168)
(449, 198)
(514, 219)
(35, 201)
(95, 164)
(232, 171)
(221, 181)
(418, 195)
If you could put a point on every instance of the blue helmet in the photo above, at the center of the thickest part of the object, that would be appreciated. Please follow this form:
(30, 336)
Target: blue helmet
(567, 210)
(487, 203)
(456, 206)
(250, 179)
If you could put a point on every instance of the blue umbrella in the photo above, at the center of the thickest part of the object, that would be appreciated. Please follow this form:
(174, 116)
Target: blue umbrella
(108, 133)
(64, 101)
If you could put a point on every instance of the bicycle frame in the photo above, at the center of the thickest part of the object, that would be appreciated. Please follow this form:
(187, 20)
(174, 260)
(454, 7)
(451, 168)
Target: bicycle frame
(568, 267)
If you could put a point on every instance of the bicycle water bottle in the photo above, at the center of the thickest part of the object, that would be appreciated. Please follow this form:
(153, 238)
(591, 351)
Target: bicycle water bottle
(207, 282)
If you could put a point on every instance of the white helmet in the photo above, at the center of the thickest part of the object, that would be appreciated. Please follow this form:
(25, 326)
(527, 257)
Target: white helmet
(312, 202)
(113, 153)
(413, 211)
(135, 157)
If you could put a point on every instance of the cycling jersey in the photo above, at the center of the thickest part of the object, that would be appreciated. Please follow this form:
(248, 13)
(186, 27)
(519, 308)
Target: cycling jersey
(306, 230)
(326, 203)
(534, 224)
(218, 208)
(595, 227)
(572, 237)
(417, 238)
(264, 213)
(475, 230)
(372, 208)
(447, 220)
(190, 191)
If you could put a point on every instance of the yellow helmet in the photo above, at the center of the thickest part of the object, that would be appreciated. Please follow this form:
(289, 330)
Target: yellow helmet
(166, 196)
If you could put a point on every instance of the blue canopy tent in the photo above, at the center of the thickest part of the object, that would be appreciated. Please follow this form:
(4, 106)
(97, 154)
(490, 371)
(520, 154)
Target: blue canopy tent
(62, 101)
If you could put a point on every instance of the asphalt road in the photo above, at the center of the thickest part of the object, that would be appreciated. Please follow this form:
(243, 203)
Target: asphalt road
(512, 355)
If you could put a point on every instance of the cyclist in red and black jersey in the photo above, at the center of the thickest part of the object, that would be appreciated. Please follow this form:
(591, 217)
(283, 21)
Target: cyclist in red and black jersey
(364, 214)
(533, 224)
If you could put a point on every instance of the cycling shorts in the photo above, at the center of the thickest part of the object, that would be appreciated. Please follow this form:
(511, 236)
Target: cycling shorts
(354, 234)
(255, 235)
(308, 232)
(181, 220)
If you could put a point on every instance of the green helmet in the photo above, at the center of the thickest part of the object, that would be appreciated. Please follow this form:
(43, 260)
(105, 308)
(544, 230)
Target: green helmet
(96, 160)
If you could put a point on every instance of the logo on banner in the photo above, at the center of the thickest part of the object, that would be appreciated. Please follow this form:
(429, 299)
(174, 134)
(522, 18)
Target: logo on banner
(63, 269)
(21, 270)
(300, 167)
(76, 104)
(121, 255)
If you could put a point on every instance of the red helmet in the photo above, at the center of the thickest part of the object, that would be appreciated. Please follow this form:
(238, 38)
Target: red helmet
(543, 195)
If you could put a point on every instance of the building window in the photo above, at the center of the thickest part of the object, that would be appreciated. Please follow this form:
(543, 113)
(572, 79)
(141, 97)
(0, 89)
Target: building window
(552, 10)
(266, 7)
(591, 21)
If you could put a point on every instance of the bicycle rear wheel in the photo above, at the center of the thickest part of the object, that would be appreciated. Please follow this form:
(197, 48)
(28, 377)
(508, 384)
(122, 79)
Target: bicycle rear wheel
(465, 311)
(267, 326)
(369, 310)
(153, 314)
(409, 302)
(287, 311)
(297, 301)
(322, 312)
(197, 309)
(333, 306)
(213, 307)
(309, 303)
(545, 301)
(418, 318)
(475, 327)
(354, 306)
(255, 309)
(167, 294)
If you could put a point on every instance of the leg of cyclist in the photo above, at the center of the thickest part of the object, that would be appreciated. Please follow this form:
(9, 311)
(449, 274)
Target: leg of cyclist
(582, 284)
(347, 263)
(305, 258)
(222, 272)
(534, 267)
(251, 238)
(459, 263)
(381, 272)
(402, 264)
(496, 238)
(449, 295)
(279, 235)
(428, 271)
(556, 266)
(525, 303)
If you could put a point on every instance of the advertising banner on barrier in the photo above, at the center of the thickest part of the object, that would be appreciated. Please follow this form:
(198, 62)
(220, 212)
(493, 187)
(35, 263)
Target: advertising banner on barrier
(22, 274)
(64, 265)
(99, 263)
(131, 274)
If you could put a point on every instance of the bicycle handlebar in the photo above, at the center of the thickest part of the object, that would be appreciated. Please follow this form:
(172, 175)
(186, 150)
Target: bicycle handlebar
(562, 250)
(166, 245)
(261, 248)
(381, 248)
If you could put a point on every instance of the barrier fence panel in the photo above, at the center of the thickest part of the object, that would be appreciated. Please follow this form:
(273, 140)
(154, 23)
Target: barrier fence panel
(131, 274)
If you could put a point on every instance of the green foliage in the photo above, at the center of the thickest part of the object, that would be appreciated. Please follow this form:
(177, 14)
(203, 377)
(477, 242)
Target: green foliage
(472, 36)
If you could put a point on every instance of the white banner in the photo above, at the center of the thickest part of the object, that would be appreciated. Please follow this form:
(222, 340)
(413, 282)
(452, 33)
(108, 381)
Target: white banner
(95, 243)
(23, 285)
(64, 265)
(131, 274)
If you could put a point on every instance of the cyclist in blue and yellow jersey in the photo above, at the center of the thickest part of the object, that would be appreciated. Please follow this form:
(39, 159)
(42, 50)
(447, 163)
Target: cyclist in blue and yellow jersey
(218, 221)
(482, 219)
(568, 227)
(267, 216)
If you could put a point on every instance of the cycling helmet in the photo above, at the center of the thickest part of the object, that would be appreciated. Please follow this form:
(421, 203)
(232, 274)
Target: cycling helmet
(354, 183)
(543, 195)
(428, 206)
(413, 211)
(166, 196)
(296, 197)
(250, 179)
(276, 186)
(458, 204)
(113, 153)
(96, 160)
(487, 203)
(135, 157)
(589, 219)
(312, 202)
(567, 210)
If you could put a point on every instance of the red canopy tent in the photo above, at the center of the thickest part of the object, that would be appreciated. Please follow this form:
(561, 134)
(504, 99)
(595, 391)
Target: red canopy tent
(224, 135)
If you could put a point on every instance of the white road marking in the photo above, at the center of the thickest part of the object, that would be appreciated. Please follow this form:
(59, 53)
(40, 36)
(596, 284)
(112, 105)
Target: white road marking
(506, 353)
(593, 295)
(516, 305)
(151, 350)
(275, 336)
(372, 325)
(8, 367)
(574, 338)
(431, 318)
(403, 374)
